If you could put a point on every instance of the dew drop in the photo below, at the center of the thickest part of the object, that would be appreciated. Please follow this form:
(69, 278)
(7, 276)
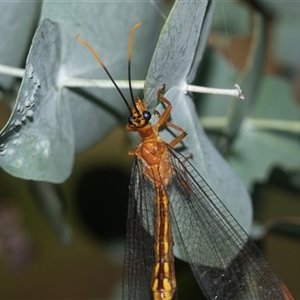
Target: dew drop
(26, 94)
(29, 113)
(16, 142)
(31, 99)
(19, 107)
(17, 123)
(30, 70)
(18, 163)
(23, 119)
(27, 103)
(38, 83)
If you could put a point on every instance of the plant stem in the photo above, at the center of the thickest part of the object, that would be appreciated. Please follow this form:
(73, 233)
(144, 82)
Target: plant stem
(16, 72)
(236, 92)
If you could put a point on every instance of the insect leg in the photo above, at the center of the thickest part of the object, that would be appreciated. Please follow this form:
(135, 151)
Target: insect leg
(163, 118)
(179, 138)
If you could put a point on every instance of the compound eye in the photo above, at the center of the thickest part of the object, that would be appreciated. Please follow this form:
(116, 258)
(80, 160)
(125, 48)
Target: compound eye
(130, 120)
(147, 115)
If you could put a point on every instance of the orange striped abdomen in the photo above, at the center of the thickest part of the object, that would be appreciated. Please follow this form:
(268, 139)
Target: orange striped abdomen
(164, 282)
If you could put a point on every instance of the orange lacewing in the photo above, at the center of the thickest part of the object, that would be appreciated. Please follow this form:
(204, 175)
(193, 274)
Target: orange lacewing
(164, 186)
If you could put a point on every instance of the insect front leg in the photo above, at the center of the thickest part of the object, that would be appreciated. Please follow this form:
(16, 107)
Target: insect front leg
(164, 117)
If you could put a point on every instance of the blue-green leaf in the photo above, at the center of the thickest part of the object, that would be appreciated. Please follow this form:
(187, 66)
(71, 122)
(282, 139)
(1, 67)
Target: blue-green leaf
(271, 137)
(51, 123)
(38, 141)
(171, 64)
(106, 26)
(176, 48)
(16, 23)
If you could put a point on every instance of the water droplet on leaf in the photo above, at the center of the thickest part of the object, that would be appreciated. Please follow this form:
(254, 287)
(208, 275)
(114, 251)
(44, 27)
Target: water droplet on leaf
(29, 114)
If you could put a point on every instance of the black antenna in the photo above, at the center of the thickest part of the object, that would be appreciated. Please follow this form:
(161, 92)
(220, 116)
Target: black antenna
(103, 66)
(130, 46)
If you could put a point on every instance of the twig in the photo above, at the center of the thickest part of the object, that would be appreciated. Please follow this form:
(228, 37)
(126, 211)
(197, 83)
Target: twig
(236, 92)
(80, 82)
(16, 72)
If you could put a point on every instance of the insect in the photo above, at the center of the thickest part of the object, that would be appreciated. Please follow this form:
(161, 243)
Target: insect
(169, 197)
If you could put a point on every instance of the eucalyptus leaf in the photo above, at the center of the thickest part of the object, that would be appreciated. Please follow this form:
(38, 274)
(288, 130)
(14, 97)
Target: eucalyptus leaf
(50, 123)
(258, 149)
(221, 74)
(286, 42)
(171, 64)
(207, 160)
(106, 26)
(275, 100)
(248, 80)
(209, 163)
(37, 142)
(203, 39)
(16, 23)
(176, 48)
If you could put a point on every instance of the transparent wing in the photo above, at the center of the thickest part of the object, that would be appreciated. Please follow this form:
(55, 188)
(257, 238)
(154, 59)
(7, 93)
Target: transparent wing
(225, 262)
(139, 248)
